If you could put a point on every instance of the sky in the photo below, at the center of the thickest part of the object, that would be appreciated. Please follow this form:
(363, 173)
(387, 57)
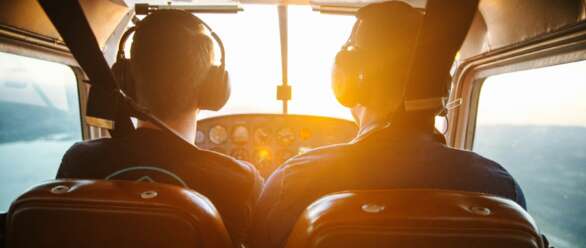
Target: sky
(47, 85)
(554, 95)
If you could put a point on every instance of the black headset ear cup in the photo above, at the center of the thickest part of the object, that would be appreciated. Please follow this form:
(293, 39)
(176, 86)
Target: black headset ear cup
(123, 76)
(346, 79)
(214, 91)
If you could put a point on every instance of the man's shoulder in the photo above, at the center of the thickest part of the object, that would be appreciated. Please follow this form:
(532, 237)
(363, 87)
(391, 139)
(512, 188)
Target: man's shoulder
(93, 151)
(322, 155)
(228, 163)
(88, 148)
(472, 158)
(474, 162)
(80, 154)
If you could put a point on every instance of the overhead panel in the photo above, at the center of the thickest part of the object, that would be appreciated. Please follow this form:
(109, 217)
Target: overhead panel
(103, 16)
(505, 22)
(351, 6)
(198, 3)
(498, 23)
(28, 17)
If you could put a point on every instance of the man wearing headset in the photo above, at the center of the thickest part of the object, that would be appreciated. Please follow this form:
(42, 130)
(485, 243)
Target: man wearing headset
(392, 150)
(172, 66)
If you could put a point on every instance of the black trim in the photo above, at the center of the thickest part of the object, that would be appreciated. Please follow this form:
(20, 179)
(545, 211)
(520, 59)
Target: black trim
(33, 35)
(2, 230)
(31, 45)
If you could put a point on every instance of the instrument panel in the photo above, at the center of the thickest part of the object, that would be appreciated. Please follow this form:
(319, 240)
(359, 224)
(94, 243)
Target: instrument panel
(268, 140)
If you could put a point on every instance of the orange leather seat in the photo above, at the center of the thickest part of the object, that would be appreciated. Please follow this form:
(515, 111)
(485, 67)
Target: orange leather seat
(414, 218)
(85, 213)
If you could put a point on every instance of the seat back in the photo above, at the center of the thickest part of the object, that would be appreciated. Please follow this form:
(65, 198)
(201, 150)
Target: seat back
(85, 213)
(414, 218)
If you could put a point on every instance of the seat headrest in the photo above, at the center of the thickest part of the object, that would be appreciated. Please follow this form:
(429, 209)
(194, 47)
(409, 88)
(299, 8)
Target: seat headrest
(414, 218)
(85, 213)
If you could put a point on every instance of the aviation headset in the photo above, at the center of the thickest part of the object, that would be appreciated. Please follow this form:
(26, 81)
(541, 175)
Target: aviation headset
(350, 78)
(212, 93)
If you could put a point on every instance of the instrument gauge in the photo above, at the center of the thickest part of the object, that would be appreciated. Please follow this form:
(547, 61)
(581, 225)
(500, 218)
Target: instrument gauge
(305, 134)
(285, 136)
(263, 160)
(218, 134)
(262, 155)
(240, 135)
(240, 154)
(284, 155)
(262, 136)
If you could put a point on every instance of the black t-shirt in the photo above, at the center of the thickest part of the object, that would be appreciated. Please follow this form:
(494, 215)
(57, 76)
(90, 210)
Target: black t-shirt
(151, 155)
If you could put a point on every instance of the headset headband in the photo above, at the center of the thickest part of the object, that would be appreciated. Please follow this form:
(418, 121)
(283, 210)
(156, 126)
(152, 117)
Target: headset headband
(132, 29)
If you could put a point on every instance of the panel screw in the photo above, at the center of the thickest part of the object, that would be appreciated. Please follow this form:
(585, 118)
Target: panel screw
(372, 208)
(148, 194)
(480, 211)
(60, 189)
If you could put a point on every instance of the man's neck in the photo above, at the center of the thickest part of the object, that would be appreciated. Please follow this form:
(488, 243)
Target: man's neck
(368, 120)
(185, 126)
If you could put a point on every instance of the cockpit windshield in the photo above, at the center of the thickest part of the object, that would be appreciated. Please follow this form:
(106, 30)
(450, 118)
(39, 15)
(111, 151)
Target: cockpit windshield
(253, 59)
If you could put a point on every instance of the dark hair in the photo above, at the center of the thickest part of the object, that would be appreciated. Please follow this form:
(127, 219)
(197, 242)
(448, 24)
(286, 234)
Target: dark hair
(387, 32)
(171, 54)
(387, 25)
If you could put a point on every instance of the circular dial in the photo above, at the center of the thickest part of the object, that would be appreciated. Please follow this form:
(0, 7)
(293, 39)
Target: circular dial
(263, 160)
(284, 155)
(262, 136)
(240, 154)
(240, 135)
(305, 134)
(285, 136)
(199, 137)
(218, 134)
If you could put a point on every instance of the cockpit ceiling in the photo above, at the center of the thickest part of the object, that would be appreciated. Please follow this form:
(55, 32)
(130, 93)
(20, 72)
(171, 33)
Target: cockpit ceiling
(354, 3)
(504, 22)
(499, 22)
(28, 16)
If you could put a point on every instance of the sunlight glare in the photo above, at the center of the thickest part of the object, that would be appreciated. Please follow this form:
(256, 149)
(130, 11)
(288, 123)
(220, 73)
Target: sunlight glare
(314, 40)
(251, 39)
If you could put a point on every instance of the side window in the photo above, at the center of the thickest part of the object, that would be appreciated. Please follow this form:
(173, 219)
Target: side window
(534, 123)
(39, 121)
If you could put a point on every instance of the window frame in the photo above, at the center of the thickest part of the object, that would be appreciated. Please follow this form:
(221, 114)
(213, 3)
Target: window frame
(82, 89)
(560, 47)
(21, 43)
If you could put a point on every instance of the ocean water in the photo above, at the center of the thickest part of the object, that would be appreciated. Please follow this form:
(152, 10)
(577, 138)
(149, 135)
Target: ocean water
(549, 163)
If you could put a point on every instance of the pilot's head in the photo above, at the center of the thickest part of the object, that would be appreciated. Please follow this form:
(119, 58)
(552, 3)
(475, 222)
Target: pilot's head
(172, 63)
(371, 69)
